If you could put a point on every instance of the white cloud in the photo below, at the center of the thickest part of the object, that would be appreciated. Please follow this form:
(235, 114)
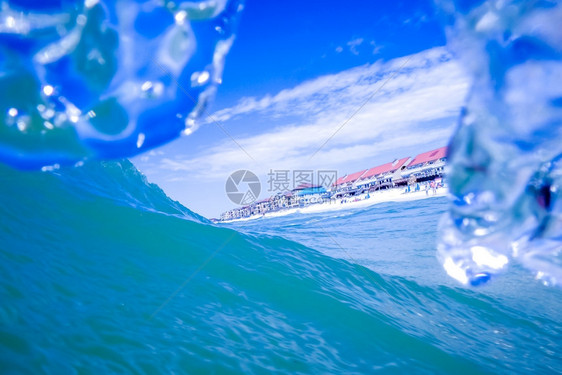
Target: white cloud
(353, 44)
(376, 48)
(409, 110)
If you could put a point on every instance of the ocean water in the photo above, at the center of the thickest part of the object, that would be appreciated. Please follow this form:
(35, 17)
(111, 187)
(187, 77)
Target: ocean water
(106, 79)
(97, 80)
(102, 273)
(505, 169)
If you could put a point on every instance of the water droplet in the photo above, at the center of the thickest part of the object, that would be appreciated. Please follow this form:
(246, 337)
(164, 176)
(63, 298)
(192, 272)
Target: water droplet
(49, 168)
(10, 22)
(22, 124)
(48, 113)
(180, 17)
(140, 140)
(146, 86)
(199, 78)
(190, 126)
(81, 20)
(48, 90)
(152, 89)
(90, 3)
(73, 112)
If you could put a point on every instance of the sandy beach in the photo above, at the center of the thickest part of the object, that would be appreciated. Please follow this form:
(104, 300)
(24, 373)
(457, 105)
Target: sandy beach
(360, 201)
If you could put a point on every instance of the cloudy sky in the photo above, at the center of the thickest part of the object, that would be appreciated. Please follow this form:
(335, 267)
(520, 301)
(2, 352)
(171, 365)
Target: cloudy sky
(317, 86)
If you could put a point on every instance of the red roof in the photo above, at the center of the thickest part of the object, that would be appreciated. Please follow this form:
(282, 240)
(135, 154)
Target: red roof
(430, 156)
(352, 177)
(391, 167)
(339, 181)
(388, 167)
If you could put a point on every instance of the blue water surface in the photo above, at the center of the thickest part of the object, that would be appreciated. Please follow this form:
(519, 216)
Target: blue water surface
(132, 282)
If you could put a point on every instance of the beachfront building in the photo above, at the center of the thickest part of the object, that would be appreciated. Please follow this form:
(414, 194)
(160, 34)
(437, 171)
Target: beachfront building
(383, 176)
(237, 213)
(302, 195)
(376, 178)
(345, 186)
(261, 207)
(309, 194)
(285, 200)
(427, 166)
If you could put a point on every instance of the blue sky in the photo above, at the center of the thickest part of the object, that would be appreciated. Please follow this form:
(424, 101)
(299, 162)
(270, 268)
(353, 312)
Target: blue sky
(297, 71)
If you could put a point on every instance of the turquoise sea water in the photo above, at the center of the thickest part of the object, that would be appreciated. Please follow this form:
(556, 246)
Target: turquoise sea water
(97, 80)
(102, 273)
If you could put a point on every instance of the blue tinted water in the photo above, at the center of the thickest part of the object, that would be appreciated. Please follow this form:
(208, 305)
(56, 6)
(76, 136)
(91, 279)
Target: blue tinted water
(101, 272)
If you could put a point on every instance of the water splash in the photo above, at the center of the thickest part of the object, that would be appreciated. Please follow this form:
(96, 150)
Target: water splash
(505, 159)
(106, 78)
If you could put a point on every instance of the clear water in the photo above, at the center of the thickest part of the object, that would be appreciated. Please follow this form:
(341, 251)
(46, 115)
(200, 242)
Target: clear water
(103, 79)
(505, 171)
(102, 273)
(106, 79)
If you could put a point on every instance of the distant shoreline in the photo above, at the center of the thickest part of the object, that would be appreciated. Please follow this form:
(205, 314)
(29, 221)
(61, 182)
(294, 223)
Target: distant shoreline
(360, 201)
(382, 183)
